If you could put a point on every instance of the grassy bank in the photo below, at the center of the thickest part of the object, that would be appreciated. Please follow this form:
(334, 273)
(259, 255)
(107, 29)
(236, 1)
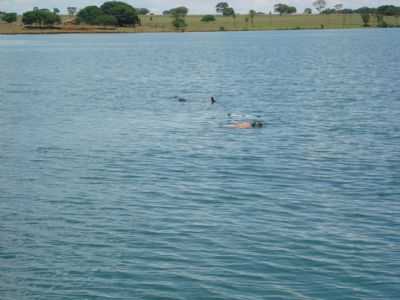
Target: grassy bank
(240, 23)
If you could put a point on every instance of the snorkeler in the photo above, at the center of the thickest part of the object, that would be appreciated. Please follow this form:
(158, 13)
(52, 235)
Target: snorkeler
(247, 125)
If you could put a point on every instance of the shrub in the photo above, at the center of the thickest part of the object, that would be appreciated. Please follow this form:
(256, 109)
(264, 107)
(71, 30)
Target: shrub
(208, 18)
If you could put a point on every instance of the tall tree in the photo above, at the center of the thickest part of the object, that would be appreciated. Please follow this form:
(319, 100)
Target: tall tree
(252, 14)
(228, 12)
(221, 6)
(365, 18)
(125, 14)
(319, 5)
(178, 14)
(308, 11)
(338, 6)
(71, 10)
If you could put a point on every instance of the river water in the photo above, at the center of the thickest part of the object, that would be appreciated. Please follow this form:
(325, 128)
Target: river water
(110, 188)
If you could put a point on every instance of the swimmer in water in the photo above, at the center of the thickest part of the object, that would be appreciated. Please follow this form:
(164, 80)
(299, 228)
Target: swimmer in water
(212, 99)
(247, 125)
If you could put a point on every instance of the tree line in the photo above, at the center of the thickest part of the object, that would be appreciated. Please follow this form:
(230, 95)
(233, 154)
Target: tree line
(118, 13)
(8, 17)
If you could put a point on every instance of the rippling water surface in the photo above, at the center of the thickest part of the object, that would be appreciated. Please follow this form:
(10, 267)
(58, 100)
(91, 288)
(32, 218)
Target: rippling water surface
(112, 189)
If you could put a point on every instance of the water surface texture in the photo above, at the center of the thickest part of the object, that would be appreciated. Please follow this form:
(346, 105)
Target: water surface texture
(112, 189)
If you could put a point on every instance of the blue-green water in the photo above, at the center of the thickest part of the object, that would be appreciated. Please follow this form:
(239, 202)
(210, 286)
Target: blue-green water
(112, 189)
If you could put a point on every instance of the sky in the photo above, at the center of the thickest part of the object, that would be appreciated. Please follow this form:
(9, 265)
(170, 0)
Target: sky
(195, 6)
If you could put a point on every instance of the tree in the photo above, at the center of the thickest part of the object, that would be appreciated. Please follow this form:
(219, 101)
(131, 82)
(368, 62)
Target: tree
(228, 12)
(181, 11)
(280, 8)
(71, 11)
(40, 17)
(291, 10)
(252, 14)
(178, 14)
(56, 11)
(319, 5)
(338, 6)
(308, 11)
(365, 18)
(329, 11)
(179, 23)
(93, 15)
(143, 11)
(381, 11)
(125, 14)
(234, 17)
(284, 9)
(221, 6)
(347, 11)
(208, 18)
(380, 21)
(365, 10)
(106, 20)
(89, 15)
(29, 18)
(49, 18)
(9, 17)
(388, 10)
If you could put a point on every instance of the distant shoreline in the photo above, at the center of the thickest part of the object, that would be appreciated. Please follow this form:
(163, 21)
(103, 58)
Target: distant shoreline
(56, 32)
(160, 24)
(179, 32)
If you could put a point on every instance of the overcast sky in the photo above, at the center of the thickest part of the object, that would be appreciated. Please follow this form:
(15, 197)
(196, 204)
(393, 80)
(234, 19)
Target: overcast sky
(195, 6)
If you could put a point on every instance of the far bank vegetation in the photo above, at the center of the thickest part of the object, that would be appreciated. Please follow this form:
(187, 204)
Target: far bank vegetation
(123, 17)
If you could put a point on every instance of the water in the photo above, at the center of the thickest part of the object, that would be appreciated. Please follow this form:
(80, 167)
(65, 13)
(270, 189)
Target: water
(112, 189)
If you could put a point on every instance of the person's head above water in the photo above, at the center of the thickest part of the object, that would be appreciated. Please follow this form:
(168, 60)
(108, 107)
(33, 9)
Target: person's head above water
(212, 99)
(257, 124)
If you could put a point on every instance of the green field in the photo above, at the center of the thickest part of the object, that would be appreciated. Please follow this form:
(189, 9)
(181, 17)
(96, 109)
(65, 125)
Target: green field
(241, 22)
(263, 22)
